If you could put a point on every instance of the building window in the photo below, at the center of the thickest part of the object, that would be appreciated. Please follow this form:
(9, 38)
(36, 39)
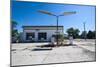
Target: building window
(30, 36)
(42, 36)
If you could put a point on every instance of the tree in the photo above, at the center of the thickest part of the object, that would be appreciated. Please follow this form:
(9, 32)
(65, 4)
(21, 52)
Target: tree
(15, 34)
(14, 24)
(73, 32)
(83, 34)
(94, 34)
(76, 34)
(91, 34)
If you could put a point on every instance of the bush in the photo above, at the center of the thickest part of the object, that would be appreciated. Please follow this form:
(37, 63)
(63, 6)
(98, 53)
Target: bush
(60, 38)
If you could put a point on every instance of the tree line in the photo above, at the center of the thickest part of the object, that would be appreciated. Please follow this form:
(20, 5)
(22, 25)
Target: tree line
(85, 34)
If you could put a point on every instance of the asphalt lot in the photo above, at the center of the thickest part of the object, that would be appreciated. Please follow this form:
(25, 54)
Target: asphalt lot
(24, 54)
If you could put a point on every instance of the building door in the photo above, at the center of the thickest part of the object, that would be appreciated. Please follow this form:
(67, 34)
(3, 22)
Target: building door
(42, 36)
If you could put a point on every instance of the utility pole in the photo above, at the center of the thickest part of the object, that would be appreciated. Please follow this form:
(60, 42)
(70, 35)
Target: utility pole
(84, 31)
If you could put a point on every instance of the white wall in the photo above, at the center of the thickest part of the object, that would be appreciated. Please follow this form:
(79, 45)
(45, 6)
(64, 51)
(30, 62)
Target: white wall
(49, 33)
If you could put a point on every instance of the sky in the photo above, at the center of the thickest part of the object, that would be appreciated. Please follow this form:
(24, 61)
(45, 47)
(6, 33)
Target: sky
(26, 13)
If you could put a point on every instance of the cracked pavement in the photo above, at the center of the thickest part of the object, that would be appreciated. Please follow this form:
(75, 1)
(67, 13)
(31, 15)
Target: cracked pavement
(23, 54)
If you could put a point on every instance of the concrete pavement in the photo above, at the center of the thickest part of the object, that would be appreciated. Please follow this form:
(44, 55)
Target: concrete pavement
(24, 54)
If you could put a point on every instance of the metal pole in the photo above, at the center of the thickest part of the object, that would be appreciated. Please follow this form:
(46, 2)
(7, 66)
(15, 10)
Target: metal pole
(57, 28)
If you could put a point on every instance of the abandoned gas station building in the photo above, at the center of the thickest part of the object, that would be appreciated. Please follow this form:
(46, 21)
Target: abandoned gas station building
(40, 33)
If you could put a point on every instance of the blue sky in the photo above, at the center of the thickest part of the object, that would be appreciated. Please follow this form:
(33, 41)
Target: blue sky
(26, 13)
